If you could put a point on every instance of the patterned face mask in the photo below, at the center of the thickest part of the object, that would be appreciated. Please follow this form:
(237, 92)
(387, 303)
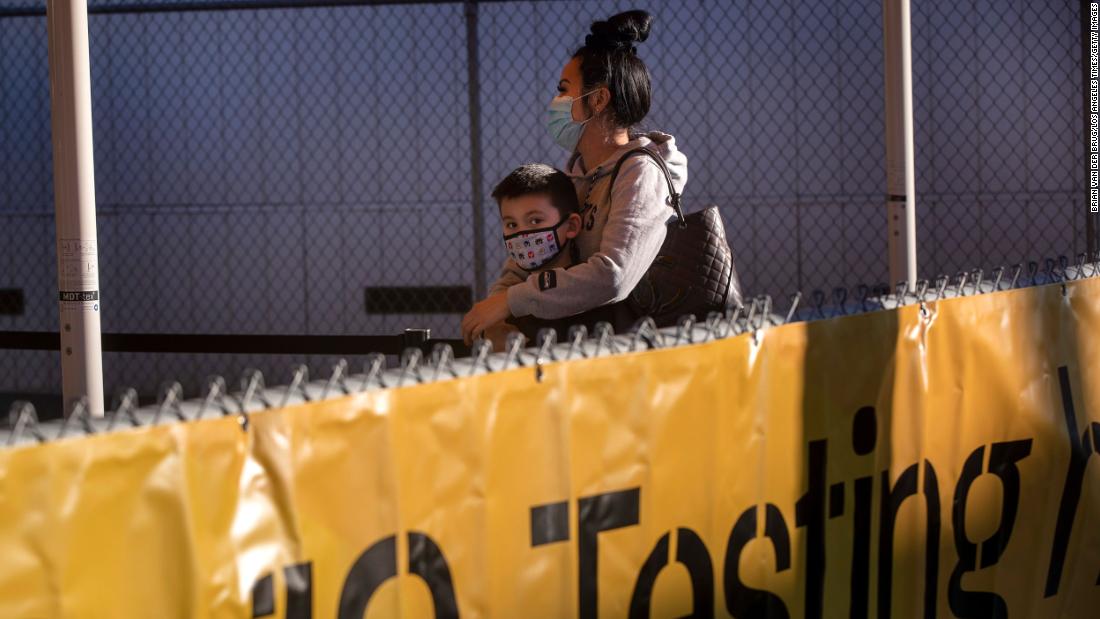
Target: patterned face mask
(532, 249)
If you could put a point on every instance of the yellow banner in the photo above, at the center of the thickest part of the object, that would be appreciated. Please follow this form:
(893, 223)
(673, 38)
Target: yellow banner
(924, 462)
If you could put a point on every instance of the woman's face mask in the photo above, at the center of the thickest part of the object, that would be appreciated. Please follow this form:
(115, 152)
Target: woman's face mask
(531, 249)
(559, 121)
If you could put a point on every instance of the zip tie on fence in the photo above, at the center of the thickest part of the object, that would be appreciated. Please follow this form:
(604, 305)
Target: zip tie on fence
(299, 377)
(998, 273)
(24, 420)
(577, 335)
(752, 318)
(711, 324)
(443, 355)
(757, 315)
(480, 351)
(251, 380)
(960, 283)
(731, 318)
(171, 393)
(373, 368)
(512, 346)
(645, 331)
(1019, 268)
(753, 309)
(546, 339)
(81, 416)
(840, 301)
(901, 292)
(215, 392)
(336, 378)
(685, 329)
(766, 311)
(922, 289)
(410, 366)
(862, 292)
(818, 298)
(127, 404)
(1033, 271)
(604, 335)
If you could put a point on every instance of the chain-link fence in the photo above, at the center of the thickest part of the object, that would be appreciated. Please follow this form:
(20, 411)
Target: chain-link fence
(318, 170)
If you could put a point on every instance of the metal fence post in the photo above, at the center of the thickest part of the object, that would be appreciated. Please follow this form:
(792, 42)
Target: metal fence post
(74, 204)
(901, 199)
(474, 93)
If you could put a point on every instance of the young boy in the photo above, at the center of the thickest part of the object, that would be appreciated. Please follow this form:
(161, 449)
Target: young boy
(539, 215)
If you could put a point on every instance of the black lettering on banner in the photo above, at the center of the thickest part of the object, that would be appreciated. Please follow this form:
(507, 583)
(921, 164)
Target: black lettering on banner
(864, 431)
(1079, 452)
(601, 512)
(810, 513)
(375, 566)
(967, 603)
(836, 500)
(692, 553)
(742, 600)
(861, 549)
(549, 523)
(378, 564)
(891, 500)
(426, 561)
(647, 576)
(263, 596)
(1002, 463)
(864, 437)
(299, 593)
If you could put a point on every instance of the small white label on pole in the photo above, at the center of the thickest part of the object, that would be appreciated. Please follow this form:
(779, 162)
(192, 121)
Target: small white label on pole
(79, 267)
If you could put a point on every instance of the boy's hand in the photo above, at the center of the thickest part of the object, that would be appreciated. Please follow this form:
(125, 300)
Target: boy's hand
(484, 314)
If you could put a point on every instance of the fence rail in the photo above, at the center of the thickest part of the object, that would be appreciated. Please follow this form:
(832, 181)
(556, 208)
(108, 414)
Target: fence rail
(239, 344)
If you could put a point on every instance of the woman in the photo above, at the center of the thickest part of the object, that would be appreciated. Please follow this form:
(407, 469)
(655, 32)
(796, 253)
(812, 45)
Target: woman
(603, 93)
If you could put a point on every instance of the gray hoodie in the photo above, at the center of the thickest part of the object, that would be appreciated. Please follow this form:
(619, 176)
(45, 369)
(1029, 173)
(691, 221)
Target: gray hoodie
(618, 241)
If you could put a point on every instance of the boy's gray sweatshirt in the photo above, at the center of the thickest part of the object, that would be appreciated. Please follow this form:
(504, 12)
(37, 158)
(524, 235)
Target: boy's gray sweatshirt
(619, 237)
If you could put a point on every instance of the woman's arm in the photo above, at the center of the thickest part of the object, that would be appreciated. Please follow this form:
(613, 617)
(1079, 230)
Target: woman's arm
(632, 236)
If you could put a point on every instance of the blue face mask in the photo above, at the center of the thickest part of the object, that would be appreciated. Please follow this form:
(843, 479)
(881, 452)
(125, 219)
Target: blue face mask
(559, 121)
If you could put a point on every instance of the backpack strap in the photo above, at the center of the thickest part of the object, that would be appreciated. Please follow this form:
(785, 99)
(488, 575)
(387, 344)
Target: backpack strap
(673, 197)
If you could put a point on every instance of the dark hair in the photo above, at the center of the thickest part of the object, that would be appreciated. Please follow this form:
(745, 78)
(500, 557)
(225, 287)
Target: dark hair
(540, 178)
(609, 57)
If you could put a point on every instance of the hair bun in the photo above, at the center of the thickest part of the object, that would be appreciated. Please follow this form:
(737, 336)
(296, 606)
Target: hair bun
(620, 32)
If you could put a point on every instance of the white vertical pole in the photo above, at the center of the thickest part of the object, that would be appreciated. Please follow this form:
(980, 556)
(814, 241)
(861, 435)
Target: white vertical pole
(901, 193)
(74, 204)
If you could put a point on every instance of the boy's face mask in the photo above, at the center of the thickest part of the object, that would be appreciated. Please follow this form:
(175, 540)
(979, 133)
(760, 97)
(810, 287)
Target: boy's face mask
(532, 249)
